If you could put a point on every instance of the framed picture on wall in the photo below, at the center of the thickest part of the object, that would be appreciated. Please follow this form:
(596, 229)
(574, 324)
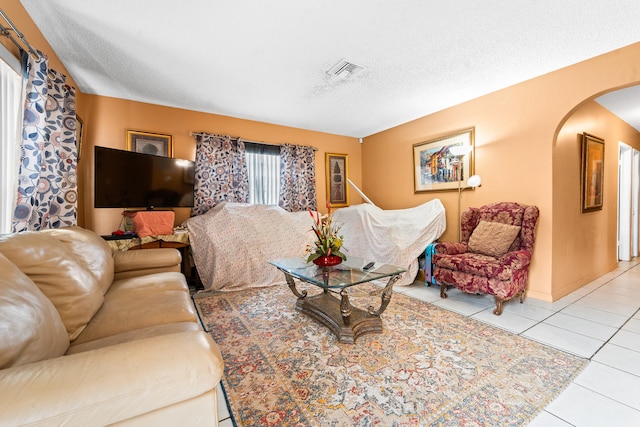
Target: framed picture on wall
(337, 172)
(150, 143)
(435, 166)
(592, 172)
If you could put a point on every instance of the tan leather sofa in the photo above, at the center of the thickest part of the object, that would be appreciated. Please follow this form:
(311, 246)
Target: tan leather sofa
(91, 338)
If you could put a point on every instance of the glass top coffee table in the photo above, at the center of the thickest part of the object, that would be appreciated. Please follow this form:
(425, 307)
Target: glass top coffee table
(346, 321)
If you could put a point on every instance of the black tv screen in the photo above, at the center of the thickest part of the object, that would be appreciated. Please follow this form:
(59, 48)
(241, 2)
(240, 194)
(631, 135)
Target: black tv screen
(125, 179)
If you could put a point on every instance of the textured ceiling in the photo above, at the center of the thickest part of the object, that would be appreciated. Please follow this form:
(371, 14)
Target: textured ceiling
(267, 60)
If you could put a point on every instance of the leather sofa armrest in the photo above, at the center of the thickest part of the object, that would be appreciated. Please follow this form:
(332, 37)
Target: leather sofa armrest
(516, 260)
(451, 248)
(146, 261)
(107, 385)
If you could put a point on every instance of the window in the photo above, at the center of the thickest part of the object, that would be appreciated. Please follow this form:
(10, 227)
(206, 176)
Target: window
(263, 168)
(10, 117)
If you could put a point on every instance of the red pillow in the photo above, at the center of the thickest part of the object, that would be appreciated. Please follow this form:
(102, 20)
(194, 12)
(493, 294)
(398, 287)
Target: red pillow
(152, 223)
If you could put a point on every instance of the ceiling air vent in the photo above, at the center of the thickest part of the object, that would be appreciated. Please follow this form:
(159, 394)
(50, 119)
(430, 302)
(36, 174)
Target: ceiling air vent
(345, 69)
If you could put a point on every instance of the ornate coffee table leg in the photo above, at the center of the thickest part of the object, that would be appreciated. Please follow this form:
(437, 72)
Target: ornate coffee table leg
(292, 286)
(386, 297)
(347, 322)
(345, 307)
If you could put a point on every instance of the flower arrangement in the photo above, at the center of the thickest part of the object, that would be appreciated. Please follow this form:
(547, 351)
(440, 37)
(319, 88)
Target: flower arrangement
(328, 242)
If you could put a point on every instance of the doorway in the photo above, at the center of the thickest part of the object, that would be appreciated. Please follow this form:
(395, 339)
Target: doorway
(628, 202)
(635, 203)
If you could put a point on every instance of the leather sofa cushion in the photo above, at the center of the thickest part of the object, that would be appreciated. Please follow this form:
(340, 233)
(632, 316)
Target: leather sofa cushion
(166, 281)
(135, 260)
(117, 383)
(137, 334)
(30, 326)
(155, 301)
(70, 287)
(492, 238)
(91, 251)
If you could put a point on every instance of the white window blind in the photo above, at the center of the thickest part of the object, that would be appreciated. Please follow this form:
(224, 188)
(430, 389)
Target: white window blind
(11, 95)
(263, 168)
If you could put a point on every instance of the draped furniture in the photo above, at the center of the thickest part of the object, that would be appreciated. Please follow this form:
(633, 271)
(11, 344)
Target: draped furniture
(494, 253)
(232, 243)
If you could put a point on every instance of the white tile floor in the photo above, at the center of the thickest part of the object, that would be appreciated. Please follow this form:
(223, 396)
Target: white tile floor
(599, 322)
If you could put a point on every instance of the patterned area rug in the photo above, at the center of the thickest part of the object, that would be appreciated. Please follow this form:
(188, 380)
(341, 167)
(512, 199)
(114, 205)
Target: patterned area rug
(428, 367)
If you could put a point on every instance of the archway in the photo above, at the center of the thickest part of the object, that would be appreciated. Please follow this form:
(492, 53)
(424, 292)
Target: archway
(586, 244)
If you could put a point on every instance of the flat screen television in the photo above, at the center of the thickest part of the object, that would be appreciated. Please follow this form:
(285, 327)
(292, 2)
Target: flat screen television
(126, 179)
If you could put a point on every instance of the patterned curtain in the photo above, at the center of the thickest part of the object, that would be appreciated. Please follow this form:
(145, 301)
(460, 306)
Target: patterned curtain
(221, 172)
(297, 178)
(47, 193)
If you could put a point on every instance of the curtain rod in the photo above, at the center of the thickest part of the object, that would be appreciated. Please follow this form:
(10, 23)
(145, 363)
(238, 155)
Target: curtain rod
(235, 137)
(6, 32)
(244, 140)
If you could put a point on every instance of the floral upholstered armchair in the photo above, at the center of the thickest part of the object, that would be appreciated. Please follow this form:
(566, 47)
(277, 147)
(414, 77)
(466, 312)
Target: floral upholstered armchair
(494, 254)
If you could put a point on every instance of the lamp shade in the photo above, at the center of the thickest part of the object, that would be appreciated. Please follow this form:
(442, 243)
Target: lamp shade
(474, 181)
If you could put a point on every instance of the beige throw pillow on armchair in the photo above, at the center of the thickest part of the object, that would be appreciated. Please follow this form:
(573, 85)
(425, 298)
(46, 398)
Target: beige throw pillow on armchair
(492, 238)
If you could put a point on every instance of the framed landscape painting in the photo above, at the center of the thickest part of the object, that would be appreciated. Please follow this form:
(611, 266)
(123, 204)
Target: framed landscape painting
(436, 168)
(592, 172)
(337, 172)
(150, 143)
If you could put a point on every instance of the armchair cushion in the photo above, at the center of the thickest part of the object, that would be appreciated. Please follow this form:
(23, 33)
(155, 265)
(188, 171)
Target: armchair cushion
(486, 266)
(451, 248)
(492, 238)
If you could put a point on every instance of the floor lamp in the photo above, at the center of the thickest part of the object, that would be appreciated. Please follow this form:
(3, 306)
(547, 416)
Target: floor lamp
(472, 182)
(459, 151)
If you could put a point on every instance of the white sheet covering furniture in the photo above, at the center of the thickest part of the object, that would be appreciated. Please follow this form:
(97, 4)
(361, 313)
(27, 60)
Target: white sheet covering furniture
(233, 242)
(394, 237)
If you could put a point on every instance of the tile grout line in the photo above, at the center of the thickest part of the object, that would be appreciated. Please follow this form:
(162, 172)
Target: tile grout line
(611, 337)
(621, 326)
(580, 298)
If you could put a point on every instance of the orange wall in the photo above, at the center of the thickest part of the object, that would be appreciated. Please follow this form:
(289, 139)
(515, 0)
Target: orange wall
(107, 119)
(515, 133)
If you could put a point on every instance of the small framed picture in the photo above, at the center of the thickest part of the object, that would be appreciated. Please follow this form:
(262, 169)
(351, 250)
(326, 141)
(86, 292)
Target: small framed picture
(437, 167)
(150, 143)
(337, 172)
(592, 172)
